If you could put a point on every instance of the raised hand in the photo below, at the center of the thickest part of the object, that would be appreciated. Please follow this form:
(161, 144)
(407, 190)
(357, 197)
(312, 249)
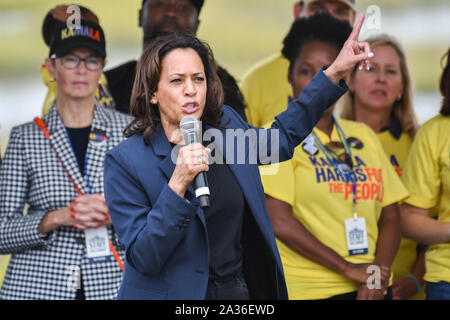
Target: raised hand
(351, 54)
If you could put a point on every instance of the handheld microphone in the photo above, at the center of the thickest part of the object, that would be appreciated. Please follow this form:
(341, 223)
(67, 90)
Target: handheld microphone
(190, 127)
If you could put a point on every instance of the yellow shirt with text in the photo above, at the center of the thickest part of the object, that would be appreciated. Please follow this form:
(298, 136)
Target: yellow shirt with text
(427, 177)
(321, 201)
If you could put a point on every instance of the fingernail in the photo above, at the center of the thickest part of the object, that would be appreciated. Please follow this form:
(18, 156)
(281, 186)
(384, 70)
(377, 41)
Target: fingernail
(106, 218)
(99, 224)
(72, 209)
(370, 55)
(75, 226)
(73, 200)
(360, 68)
(72, 216)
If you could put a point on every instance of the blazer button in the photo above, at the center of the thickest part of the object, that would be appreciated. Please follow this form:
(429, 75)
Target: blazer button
(79, 240)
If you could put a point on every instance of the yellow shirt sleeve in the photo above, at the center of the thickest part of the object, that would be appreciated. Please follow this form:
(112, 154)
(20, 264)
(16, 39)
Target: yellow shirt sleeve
(421, 174)
(278, 181)
(250, 88)
(266, 90)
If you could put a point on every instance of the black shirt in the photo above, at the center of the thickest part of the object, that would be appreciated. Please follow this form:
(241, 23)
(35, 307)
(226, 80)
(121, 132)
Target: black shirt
(224, 219)
(120, 84)
(79, 138)
(121, 80)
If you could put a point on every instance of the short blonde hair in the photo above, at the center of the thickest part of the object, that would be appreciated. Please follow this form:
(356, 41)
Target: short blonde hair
(402, 109)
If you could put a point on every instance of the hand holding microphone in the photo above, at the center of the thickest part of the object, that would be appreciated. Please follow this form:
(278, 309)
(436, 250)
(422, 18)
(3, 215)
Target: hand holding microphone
(192, 162)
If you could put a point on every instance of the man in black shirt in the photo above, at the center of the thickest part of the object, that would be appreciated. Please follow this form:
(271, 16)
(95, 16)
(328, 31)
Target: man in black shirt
(160, 17)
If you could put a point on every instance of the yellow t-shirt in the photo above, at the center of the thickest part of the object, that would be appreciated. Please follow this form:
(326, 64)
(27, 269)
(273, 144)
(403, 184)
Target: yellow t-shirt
(427, 177)
(102, 93)
(266, 90)
(397, 152)
(321, 201)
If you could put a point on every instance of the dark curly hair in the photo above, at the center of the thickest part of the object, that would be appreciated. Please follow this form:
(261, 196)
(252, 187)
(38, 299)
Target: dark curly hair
(148, 73)
(445, 86)
(320, 27)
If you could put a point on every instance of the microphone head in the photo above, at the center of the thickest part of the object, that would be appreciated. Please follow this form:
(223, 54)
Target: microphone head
(189, 124)
(190, 127)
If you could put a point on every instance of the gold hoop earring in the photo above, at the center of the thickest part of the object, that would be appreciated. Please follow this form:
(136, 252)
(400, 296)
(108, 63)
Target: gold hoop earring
(153, 100)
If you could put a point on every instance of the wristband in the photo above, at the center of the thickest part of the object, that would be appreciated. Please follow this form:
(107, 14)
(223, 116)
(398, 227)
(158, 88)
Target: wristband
(419, 287)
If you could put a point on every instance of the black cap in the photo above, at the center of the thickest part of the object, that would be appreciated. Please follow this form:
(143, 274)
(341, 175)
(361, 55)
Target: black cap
(88, 34)
(197, 4)
(58, 15)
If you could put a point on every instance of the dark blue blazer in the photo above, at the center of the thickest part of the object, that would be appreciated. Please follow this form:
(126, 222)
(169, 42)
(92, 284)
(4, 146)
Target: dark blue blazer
(165, 236)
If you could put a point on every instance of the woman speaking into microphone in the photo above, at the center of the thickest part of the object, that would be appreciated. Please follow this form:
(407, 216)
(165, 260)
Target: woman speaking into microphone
(176, 249)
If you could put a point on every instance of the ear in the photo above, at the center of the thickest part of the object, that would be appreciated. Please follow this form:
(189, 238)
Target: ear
(140, 17)
(298, 8)
(351, 83)
(353, 18)
(196, 26)
(290, 79)
(50, 67)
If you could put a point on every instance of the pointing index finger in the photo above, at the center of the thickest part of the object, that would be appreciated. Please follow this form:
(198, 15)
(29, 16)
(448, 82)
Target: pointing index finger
(357, 29)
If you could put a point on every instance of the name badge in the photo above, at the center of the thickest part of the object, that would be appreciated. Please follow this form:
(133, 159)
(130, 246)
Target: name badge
(97, 245)
(356, 234)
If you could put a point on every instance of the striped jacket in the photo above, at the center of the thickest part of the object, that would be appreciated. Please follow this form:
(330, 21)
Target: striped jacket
(32, 177)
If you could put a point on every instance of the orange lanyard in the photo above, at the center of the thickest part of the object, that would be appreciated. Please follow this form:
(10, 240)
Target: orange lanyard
(41, 125)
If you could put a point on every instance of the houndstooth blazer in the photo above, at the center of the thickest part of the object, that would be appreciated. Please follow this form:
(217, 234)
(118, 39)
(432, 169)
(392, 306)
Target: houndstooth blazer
(30, 174)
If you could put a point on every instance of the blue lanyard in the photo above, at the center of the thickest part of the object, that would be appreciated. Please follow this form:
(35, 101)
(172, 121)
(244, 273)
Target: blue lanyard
(85, 163)
(347, 177)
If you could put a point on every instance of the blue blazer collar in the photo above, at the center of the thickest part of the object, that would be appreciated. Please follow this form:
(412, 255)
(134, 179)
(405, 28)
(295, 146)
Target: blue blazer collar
(163, 149)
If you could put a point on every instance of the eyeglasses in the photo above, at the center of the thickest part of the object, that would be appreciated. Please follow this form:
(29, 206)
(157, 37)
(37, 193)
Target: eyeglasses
(72, 61)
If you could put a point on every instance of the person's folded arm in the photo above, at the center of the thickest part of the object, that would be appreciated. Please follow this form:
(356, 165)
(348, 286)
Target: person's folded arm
(417, 224)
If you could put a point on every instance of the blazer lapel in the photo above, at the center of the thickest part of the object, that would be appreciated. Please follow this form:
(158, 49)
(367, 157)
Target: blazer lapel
(163, 149)
(97, 147)
(60, 141)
